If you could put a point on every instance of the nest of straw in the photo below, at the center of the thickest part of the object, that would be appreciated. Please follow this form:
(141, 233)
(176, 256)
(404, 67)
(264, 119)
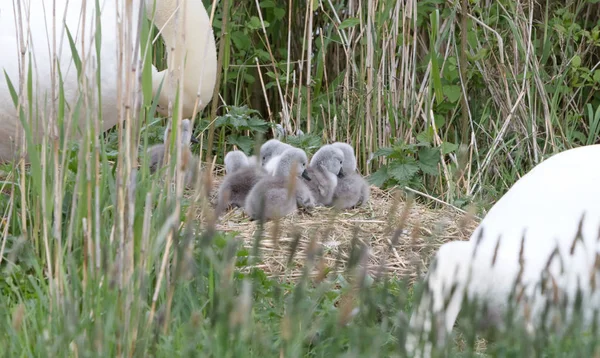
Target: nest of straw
(397, 235)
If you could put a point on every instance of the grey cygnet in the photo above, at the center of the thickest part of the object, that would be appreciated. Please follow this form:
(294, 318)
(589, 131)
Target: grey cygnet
(240, 179)
(352, 190)
(235, 160)
(271, 197)
(325, 170)
(189, 161)
(270, 153)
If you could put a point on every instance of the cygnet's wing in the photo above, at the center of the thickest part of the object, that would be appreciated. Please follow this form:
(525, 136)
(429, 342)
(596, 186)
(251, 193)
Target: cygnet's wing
(352, 190)
(156, 155)
(320, 185)
(272, 164)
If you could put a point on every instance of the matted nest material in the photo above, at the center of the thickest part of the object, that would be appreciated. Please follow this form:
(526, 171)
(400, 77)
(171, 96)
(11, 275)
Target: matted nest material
(397, 241)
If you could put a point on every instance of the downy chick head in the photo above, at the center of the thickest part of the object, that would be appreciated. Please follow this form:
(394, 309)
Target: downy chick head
(235, 160)
(329, 158)
(289, 158)
(349, 164)
(271, 148)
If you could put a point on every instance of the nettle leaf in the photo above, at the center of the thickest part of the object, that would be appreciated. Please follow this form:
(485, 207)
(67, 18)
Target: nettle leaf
(429, 159)
(308, 142)
(426, 136)
(241, 40)
(379, 177)
(452, 92)
(403, 172)
(257, 125)
(255, 24)
(245, 143)
(383, 152)
(448, 147)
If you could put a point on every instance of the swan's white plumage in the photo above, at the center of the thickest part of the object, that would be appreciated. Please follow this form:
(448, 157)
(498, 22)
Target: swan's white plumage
(37, 16)
(37, 21)
(545, 207)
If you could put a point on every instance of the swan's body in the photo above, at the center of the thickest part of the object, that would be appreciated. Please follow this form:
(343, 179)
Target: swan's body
(240, 179)
(352, 190)
(324, 169)
(37, 24)
(545, 208)
(271, 197)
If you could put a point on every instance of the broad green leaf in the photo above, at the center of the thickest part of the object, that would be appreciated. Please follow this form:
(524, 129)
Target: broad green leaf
(383, 152)
(439, 120)
(576, 61)
(241, 40)
(448, 147)
(243, 142)
(267, 4)
(426, 136)
(403, 172)
(429, 159)
(379, 177)
(255, 24)
(352, 21)
(597, 76)
(452, 92)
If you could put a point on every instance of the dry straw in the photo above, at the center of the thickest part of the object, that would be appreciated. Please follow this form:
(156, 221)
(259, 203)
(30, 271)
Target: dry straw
(400, 236)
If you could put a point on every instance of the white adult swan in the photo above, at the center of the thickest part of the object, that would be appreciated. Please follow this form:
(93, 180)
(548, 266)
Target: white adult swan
(36, 24)
(541, 212)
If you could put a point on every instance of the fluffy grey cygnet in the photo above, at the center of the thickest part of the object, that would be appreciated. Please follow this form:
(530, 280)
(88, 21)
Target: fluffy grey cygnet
(271, 198)
(189, 161)
(352, 190)
(240, 179)
(325, 170)
(235, 160)
(270, 153)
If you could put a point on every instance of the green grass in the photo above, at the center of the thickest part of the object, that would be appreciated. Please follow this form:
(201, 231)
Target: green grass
(100, 260)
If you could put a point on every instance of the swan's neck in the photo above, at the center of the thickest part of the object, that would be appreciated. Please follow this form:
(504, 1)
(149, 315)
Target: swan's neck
(199, 55)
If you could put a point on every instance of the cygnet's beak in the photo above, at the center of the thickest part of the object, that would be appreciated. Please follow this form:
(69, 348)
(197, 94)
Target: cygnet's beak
(341, 173)
(194, 140)
(305, 175)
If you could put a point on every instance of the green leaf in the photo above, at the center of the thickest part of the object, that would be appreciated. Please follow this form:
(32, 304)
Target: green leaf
(448, 147)
(439, 120)
(383, 152)
(452, 92)
(379, 177)
(403, 172)
(349, 22)
(426, 136)
(257, 125)
(279, 13)
(267, 4)
(254, 23)
(429, 159)
(74, 53)
(243, 142)
(576, 61)
(597, 76)
(241, 40)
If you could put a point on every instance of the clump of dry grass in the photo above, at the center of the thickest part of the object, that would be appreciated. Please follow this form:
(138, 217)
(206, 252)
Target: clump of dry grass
(400, 236)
